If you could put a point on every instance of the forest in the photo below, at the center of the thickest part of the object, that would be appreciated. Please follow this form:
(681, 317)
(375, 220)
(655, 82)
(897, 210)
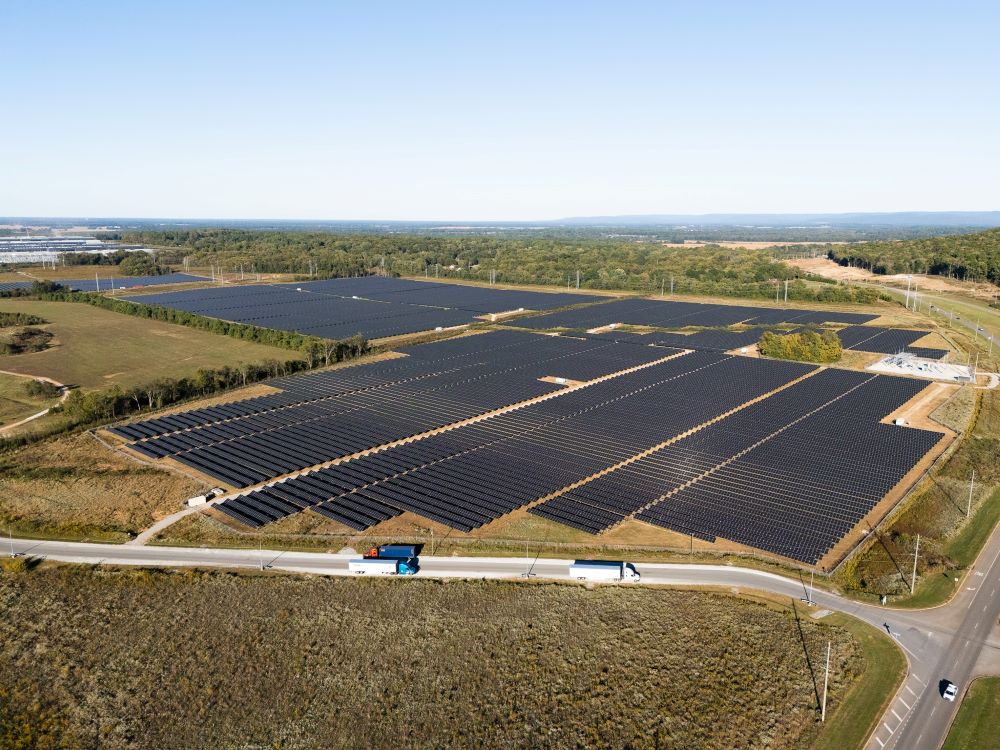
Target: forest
(130, 263)
(970, 257)
(601, 263)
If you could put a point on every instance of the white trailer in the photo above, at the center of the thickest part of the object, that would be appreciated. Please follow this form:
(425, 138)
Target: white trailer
(603, 570)
(374, 566)
(197, 500)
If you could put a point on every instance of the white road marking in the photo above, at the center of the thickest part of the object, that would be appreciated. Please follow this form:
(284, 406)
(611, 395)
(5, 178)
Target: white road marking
(911, 690)
(905, 703)
(887, 727)
(881, 744)
(919, 680)
(893, 712)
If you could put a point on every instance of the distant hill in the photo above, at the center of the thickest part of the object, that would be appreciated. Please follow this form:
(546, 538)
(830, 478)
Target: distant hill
(896, 219)
(975, 257)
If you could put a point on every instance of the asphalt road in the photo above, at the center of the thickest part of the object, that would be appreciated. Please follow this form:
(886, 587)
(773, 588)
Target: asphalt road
(946, 642)
(961, 321)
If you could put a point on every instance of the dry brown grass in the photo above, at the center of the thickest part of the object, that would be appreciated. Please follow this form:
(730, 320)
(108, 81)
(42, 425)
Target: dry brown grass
(76, 488)
(145, 659)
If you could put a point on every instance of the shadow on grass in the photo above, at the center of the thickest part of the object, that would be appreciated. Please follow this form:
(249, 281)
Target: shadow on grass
(805, 650)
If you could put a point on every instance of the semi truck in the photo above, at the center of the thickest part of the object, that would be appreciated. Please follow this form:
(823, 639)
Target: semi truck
(604, 570)
(381, 566)
(397, 551)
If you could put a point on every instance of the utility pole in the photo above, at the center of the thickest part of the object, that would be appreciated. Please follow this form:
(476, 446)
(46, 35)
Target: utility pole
(98, 282)
(908, 280)
(578, 279)
(968, 507)
(260, 542)
(671, 286)
(826, 682)
(662, 281)
(913, 578)
(11, 537)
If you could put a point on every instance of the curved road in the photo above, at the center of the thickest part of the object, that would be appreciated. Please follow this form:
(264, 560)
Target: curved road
(956, 641)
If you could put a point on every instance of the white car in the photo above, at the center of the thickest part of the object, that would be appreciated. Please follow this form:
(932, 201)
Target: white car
(949, 692)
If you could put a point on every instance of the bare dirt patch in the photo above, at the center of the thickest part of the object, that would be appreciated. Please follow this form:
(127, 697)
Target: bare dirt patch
(832, 270)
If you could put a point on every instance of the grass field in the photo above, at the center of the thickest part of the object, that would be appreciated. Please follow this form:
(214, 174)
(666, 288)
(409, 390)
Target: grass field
(215, 660)
(95, 348)
(15, 403)
(980, 708)
(74, 488)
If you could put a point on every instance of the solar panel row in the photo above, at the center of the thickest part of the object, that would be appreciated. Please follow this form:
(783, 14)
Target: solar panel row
(671, 314)
(10, 286)
(712, 340)
(886, 341)
(128, 282)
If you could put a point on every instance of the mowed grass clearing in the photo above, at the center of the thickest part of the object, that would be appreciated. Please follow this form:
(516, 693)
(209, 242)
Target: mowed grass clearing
(95, 348)
(216, 660)
(975, 727)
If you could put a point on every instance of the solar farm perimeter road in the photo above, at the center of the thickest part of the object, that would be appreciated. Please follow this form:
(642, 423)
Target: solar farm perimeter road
(951, 642)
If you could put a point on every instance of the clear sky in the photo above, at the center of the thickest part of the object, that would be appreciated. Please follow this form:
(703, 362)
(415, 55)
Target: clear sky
(496, 110)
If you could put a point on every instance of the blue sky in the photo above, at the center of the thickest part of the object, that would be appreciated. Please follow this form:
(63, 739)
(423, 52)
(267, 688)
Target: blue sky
(501, 110)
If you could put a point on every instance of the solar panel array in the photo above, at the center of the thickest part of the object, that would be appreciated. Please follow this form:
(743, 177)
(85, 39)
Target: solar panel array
(799, 492)
(711, 340)
(10, 286)
(886, 341)
(471, 475)
(374, 306)
(791, 474)
(327, 415)
(128, 282)
(671, 314)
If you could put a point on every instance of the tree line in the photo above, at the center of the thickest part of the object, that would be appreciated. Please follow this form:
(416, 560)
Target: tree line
(970, 257)
(129, 262)
(602, 263)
